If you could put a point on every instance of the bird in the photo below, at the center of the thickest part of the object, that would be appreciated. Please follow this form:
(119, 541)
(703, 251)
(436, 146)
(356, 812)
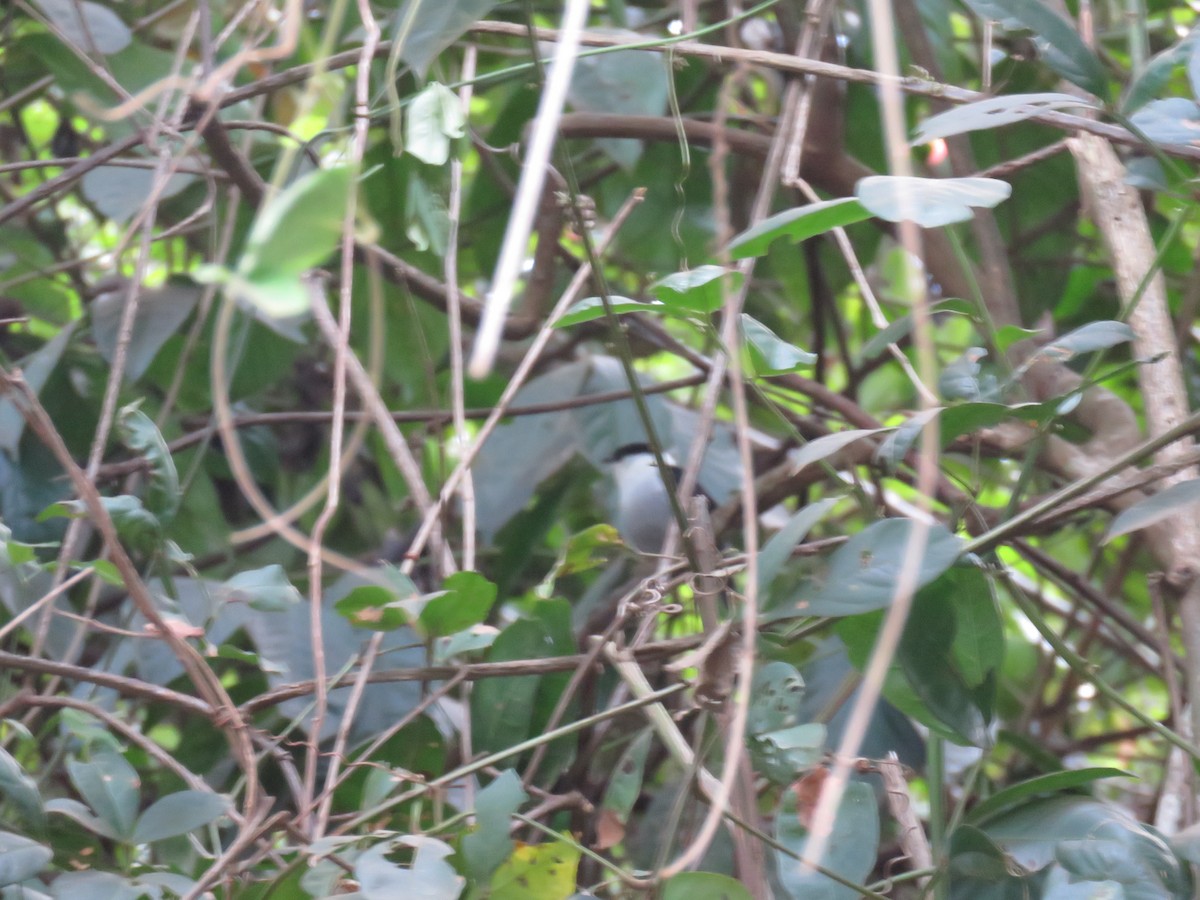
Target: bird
(643, 510)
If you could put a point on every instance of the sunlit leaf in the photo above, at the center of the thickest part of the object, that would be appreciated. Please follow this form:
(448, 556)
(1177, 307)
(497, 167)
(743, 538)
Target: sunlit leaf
(432, 121)
(466, 601)
(930, 202)
(993, 112)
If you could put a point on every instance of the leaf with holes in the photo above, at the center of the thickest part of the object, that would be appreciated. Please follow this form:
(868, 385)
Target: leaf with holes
(993, 113)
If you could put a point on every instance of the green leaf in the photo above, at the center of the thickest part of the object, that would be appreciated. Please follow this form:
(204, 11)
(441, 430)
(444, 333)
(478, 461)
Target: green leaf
(295, 230)
(22, 791)
(436, 24)
(1054, 783)
(979, 644)
(1173, 120)
(160, 314)
(137, 527)
(20, 860)
(1057, 40)
(36, 369)
(109, 785)
(86, 24)
(778, 550)
(994, 112)
(784, 754)
(502, 708)
(1086, 338)
(930, 202)
(703, 886)
(373, 606)
(863, 572)
(141, 435)
(267, 589)
(177, 814)
(771, 354)
(467, 600)
(432, 120)
(625, 783)
(776, 694)
(798, 224)
(1163, 505)
(849, 852)
(696, 290)
(625, 83)
(826, 446)
(489, 844)
(591, 308)
(79, 813)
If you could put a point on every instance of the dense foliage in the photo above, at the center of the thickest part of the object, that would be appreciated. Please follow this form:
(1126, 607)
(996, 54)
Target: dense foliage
(310, 588)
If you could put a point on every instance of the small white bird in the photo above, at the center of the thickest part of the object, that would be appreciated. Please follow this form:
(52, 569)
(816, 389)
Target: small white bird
(643, 510)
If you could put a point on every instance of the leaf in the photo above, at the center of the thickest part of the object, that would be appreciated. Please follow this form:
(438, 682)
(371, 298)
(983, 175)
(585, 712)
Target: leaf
(177, 814)
(86, 24)
(783, 754)
(703, 886)
(267, 589)
(429, 877)
(824, 447)
(863, 572)
(109, 785)
(537, 870)
(160, 313)
(22, 791)
(1173, 120)
(590, 308)
(432, 120)
(373, 606)
(502, 708)
(771, 354)
(1054, 783)
(118, 192)
(994, 112)
(1059, 42)
(625, 82)
(36, 368)
(295, 230)
(798, 224)
(137, 527)
(21, 859)
(489, 844)
(79, 812)
(849, 851)
(141, 435)
(625, 783)
(1086, 338)
(776, 694)
(436, 25)
(930, 202)
(778, 550)
(979, 644)
(467, 601)
(1163, 505)
(695, 290)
